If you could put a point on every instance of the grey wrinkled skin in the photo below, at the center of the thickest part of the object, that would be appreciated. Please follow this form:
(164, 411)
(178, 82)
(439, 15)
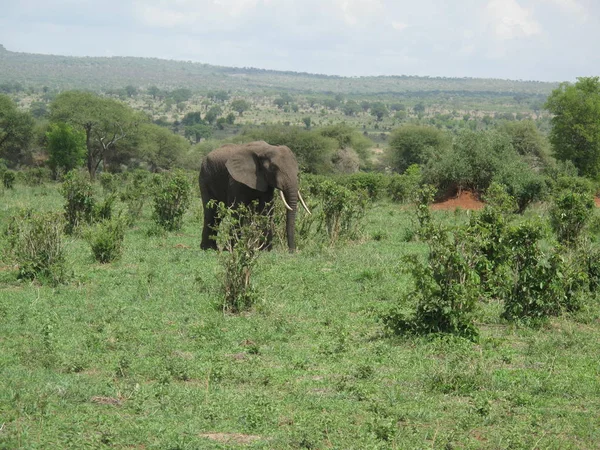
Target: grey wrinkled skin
(235, 174)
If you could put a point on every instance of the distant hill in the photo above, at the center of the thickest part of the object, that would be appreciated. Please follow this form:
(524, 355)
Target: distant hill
(101, 73)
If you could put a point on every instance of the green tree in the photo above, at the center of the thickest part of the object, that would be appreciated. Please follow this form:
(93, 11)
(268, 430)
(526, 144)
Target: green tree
(16, 130)
(104, 121)
(415, 144)
(379, 110)
(159, 147)
(351, 108)
(212, 114)
(575, 133)
(240, 106)
(66, 147)
(153, 91)
(528, 141)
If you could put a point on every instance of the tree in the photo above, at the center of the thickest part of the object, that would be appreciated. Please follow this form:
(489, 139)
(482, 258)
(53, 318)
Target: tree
(160, 147)
(415, 144)
(351, 108)
(212, 114)
(528, 141)
(153, 91)
(240, 106)
(198, 132)
(104, 121)
(66, 147)
(575, 133)
(16, 130)
(379, 110)
(131, 90)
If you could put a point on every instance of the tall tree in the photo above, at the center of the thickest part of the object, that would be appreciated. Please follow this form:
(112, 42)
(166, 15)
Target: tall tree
(160, 147)
(575, 134)
(240, 105)
(16, 130)
(415, 144)
(104, 121)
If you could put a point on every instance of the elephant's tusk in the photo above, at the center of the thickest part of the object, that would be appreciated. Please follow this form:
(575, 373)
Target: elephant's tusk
(284, 202)
(304, 204)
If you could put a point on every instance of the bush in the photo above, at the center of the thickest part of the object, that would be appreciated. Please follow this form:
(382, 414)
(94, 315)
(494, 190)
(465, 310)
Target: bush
(372, 184)
(79, 206)
(341, 211)
(569, 214)
(35, 242)
(402, 188)
(415, 144)
(135, 194)
(171, 200)
(106, 240)
(543, 282)
(108, 182)
(8, 179)
(240, 238)
(35, 176)
(446, 284)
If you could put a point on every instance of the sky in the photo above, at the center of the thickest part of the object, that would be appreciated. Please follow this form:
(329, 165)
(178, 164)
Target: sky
(544, 40)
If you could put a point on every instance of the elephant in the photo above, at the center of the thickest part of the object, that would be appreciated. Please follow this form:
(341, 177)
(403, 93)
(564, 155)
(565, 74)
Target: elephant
(242, 173)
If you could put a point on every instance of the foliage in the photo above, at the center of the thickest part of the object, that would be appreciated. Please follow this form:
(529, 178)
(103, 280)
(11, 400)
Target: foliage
(575, 133)
(474, 161)
(543, 282)
(528, 141)
(35, 241)
(340, 211)
(446, 285)
(66, 147)
(109, 182)
(16, 131)
(135, 194)
(240, 237)
(159, 147)
(171, 200)
(402, 188)
(570, 213)
(370, 183)
(348, 137)
(415, 144)
(8, 179)
(79, 200)
(104, 121)
(106, 240)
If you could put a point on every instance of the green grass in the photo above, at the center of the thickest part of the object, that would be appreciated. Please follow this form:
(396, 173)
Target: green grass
(138, 354)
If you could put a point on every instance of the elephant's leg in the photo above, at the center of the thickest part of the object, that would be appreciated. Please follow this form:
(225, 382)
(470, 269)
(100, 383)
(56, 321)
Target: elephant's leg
(209, 232)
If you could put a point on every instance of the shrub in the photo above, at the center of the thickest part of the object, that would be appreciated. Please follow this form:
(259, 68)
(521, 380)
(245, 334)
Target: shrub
(135, 194)
(543, 282)
(108, 182)
(569, 214)
(240, 238)
(415, 144)
(171, 199)
(79, 206)
(372, 184)
(106, 240)
(446, 284)
(35, 176)
(341, 211)
(35, 242)
(402, 188)
(8, 179)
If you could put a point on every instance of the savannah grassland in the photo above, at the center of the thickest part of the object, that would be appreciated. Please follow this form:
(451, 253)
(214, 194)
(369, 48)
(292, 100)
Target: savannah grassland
(139, 354)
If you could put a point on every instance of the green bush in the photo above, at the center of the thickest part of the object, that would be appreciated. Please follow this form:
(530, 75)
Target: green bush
(78, 193)
(240, 237)
(415, 144)
(108, 181)
(8, 179)
(447, 285)
(135, 194)
(35, 176)
(402, 188)
(106, 240)
(171, 199)
(570, 213)
(543, 283)
(35, 243)
(370, 183)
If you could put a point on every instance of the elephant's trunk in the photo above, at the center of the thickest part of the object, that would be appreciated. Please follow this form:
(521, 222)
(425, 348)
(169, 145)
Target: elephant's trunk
(291, 197)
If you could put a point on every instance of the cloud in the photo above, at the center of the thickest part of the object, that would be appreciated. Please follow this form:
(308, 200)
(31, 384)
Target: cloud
(509, 20)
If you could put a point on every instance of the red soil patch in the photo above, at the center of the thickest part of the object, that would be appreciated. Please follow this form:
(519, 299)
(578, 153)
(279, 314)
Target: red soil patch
(597, 200)
(464, 200)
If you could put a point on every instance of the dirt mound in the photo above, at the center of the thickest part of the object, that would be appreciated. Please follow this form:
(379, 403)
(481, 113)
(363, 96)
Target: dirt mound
(464, 200)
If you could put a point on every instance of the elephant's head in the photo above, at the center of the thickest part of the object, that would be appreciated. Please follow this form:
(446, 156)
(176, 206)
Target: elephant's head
(262, 166)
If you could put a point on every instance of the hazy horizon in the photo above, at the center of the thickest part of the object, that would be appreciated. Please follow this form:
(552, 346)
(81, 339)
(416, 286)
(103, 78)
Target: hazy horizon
(530, 40)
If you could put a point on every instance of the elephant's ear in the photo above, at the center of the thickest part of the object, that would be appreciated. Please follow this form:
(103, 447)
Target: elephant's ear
(244, 168)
